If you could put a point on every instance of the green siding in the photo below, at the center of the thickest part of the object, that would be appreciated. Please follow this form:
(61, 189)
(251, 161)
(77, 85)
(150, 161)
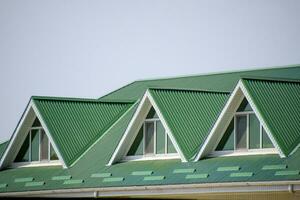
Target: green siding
(76, 125)
(278, 103)
(190, 115)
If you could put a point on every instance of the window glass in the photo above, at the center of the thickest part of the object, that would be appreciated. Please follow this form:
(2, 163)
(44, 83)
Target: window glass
(152, 114)
(227, 141)
(53, 155)
(241, 132)
(137, 146)
(170, 146)
(245, 106)
(149, 138)
(36, 123)
(254, 132)
(266, 142)
(34, 145)
(23, 155)
(160, 138)
(44, 147)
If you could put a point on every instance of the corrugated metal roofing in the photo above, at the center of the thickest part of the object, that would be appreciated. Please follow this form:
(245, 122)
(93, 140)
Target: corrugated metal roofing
(217, 81)
(279, 104)
(190, 114)
(75, 125)
(94, 162)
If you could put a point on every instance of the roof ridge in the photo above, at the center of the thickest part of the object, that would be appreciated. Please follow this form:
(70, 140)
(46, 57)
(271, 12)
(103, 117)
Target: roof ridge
(220, 73)
(273, 79)
(54, 98)
(187, 89)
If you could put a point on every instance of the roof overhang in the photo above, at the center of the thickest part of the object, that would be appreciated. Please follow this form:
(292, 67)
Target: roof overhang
(226, 115)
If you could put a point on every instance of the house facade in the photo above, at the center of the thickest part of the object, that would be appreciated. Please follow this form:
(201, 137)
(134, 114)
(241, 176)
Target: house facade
(233, 135)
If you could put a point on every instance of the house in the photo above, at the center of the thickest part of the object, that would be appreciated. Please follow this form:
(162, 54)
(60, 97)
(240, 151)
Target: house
(233, 135)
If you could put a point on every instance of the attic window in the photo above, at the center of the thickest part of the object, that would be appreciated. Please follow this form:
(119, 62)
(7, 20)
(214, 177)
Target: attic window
(36, 146)
(152, 141)
(245, 133)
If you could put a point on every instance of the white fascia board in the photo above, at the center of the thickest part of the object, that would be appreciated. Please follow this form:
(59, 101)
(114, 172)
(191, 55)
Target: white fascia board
(164, 123)
(237, 95)
(209, 142)
(260, 118)
(138, 118)
(39, 116)
(13, 138)
(117, 151)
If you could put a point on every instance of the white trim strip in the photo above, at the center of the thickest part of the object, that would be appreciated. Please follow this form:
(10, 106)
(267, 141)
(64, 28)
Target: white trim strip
(47, 132)
(164, 123)
(238, 94)
(262, 121)
(12, 140)
(138, 119)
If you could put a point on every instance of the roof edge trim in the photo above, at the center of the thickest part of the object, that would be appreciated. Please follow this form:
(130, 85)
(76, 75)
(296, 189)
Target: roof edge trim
(239, 87)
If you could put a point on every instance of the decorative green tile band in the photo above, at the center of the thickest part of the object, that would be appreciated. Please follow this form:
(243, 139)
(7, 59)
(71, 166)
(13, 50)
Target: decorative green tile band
(225, 169)
(101, 175)
(69, 182)
(184, 171)
(270, 167)
(113, 179)
(59, 178)
(196, 176)
(28, 179)
(287, 173)
(154, 178)
(3, 185)
(33, 184)
(241, 174)
(142, 173)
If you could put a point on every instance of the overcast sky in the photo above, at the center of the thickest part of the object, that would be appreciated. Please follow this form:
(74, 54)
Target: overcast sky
(89, 48)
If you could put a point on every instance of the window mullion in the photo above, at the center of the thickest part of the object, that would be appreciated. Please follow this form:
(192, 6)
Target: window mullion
(247, 131)
(154, 143)
(29, 146)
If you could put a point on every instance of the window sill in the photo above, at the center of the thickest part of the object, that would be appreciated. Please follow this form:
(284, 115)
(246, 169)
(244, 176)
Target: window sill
(154, 157)
(36, 164)
(243, 153)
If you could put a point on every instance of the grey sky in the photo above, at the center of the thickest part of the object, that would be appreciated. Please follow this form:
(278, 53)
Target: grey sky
(88, 48)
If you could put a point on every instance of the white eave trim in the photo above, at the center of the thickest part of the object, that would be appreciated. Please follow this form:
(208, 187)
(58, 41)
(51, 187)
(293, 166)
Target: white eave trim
(239, 87)
(147, 97)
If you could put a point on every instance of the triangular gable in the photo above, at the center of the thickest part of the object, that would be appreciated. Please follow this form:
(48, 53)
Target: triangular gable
(240, 92)
(20, 134)
(278, 102)
(134, 126)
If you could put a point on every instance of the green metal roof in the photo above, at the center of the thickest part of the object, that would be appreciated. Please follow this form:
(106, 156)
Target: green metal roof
(190, 114)
(3, 147)
(279, 104)
(216, 82)
(76, 124)
(60, 116)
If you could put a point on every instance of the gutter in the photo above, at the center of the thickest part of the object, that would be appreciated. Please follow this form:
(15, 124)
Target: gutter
(159, 190)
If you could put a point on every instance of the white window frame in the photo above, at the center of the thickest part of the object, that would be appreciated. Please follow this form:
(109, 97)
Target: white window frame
(39, 162)
(153, 156)
(247, 151)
